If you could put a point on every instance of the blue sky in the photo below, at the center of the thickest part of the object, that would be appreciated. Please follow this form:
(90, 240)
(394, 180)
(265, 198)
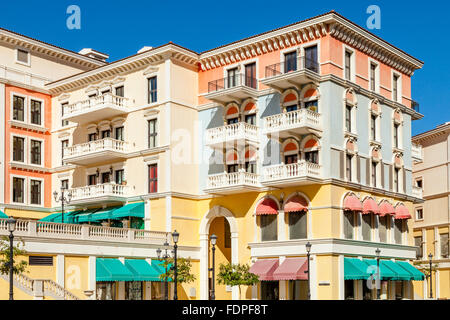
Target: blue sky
(121, 28)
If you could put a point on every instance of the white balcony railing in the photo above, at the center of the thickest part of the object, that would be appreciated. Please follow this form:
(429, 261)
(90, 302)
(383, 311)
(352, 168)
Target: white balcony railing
(417, 192)
(224, 180)
(100, 190)
(107, 144)
(417, 152)
(232, 132)
(289, 171)
(292, 120)
(95, 103)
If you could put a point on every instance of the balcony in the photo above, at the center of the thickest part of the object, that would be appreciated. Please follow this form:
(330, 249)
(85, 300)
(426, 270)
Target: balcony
(301, 173)
(229, 183)
(95, 109)
(285, 75)
(96, 151)
(232, 88)
(417, 152)
(241, 133)
(301, 122)
(417, 192)
(103, 193)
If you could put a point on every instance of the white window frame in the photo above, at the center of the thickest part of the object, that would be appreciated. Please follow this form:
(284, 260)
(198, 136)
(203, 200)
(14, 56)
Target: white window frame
(399, 87)
(42, 125)
(25, 187)
(157, 128)
(352, 63)
(16, 60)
(147, 94)
(25, 148)
(25, 107)
(377, 75)
(377, 173)
(416, 213)
(311, 44)
(42, 191)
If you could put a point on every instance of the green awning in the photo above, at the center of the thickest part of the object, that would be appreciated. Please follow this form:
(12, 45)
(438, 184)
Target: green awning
(85, 216)
(355, 269)
(142, 270)
(3, 215)
(402, 274)
(57, 217)
(416, 274)
(104, 214)
(385, 272)
(130, 210)
(159, 266)
(110, 270)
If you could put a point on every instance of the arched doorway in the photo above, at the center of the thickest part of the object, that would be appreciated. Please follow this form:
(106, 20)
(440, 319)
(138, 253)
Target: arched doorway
(216, 220)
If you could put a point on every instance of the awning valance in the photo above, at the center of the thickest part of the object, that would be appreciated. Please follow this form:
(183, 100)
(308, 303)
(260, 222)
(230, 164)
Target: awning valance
(370, 206)
(265, 268)
(415, 273)
(292, 269)
(385, 272)
(111, 270)
(402, 212)
(143, 271)
(355, 269)
(130, 210)
(352, 203)
(296, 204)
(267, 207)
(386, 208)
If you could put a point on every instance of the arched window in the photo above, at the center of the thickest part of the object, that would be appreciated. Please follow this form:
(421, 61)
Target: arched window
(375, 168)
(310, 98)
(267, 211)
(250, 160)
(386, 211)
(350, 160)
(401, 214)
(296, 209)
(290, 100)
(397, 131)
(370, 208)
(310, 148)
(290, 151)
(249, 112)
(375, 121)
(350, 103)
(232, 161)
(232, 114)
(398, 174)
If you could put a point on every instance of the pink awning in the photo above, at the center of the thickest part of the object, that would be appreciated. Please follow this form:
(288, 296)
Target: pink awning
(352, 203)
(386, 208)
(370, 206)
(296, 204)
(292, 269)
(265, 268)
(267, 207)
(402, 212)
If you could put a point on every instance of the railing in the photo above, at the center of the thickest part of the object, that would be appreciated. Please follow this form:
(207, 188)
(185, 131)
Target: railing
(417, 192)
(85, 105)
(231, 82)
(23, 77)
(235, 131)
(100, 190)
(50, 230)
(51, 288)
(295, 170)
(292, 65)
(293, 119)
(416, 151)
(224, 180)
(107, 144)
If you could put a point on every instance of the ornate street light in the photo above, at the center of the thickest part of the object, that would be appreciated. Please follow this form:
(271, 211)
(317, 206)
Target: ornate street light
(378, 252)
(308, 253)
(164, 257)
(175, 238)
(11, 228)
(213, 243)
(63, 199)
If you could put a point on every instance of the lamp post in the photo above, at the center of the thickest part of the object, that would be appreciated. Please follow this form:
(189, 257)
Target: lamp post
(11, 229)
(378, 252)
(165, 257)
(213, 242)
(308, 254)
(430, 256)
(63, 199)
(175, 237)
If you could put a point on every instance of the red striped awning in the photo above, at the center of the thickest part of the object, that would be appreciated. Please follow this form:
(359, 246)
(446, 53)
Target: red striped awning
(265, 268)
(267, 207)
(370, 206)
(386, 208)
(296, 204)
(402, 212)
(352, 203)
(292, 269)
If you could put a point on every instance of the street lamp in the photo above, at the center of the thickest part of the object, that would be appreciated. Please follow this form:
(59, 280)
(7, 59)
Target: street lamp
(165, 257)
(63, 199)
(308, 253)
(430, 256)
(213, 243)
(378, 252)
(175, 238)
(11, 229)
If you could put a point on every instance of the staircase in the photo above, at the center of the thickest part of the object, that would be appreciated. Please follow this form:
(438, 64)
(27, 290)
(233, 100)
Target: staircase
(40, 288)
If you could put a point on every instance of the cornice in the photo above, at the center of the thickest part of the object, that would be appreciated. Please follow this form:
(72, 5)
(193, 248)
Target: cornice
(432, 134)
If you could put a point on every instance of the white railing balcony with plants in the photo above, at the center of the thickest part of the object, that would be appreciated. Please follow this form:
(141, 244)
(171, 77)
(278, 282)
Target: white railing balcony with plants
(225, 180)
(292, 120)
(232, 132)
(100, 190)
(289, 171)
(417, 152)
(107, 144)
(417, 192)
(85, 105)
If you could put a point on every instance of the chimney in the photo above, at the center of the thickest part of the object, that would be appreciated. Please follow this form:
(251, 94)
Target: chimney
(91, 53)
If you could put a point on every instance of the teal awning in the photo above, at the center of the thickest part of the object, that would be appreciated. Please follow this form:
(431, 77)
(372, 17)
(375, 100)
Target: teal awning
(355, 269)
(110, 270)
(159, 266)
(416, 274)
(130, 210)
(402, 274)
(85, 216)
(3, 215)
(143, 271)
(104, 214)
(385, 272)
(57, 217)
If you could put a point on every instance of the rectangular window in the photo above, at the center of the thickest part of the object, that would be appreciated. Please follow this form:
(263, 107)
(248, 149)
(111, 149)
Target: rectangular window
(348, 118)
(419, 214)
(18, 108)
(63, 107)
(65, 184)
(36, 112)
(106, 177)
(35, 191)
(348, 70)
(366, 227)
(297, 225)
(231, 80)
(120, 91)
(396, 176)
(311, 59)
(118, 134)
(312, 157)
(396, 126)
(373, 70)
(290, 62)
(444, 245)
(349, 291)
(92, 179)
(232, 168)
(395, 87)
(349, 224)
(270, 290)
(250, 167)
(419, 183)
(36, 152)
(398, 226)
(106, 134)
(298, 290)
(152, 90)
(153, 178)
(348, 168)
(120, 175)
(399, 290)
(232, 121)
(18, 190)
(374, 174)
(291, 159)
(251, 119)
(373, 127)
(40, 261)
(250, 75)
(269, 227)
(291, 108)
(64, 145)
(23, 56)
(92, 137)
(382, 229)
(18, 149)
(418, 242)
(152, 133)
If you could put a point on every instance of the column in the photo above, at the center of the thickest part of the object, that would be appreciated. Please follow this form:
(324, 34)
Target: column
(313, 275)
(60, 270)
(341, 278)
(147, 215)
(235, 260)
(281, 226)
(204, 266)
(92, 273)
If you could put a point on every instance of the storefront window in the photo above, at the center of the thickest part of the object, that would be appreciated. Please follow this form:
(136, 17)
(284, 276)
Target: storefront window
(134, 290)
(157, 290)
(298, 290)
(269, 290)
(106, 291)
(349, 290)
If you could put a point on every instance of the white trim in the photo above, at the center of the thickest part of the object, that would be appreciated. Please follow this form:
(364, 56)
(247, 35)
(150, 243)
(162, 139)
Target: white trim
(16, 55)
(2, 141)
(346, 48)
(399, 86)
(25, 106)
(42, 181)
(42, 101)
(42, 155)
(25, 148)
(25, 189)
(377, 75)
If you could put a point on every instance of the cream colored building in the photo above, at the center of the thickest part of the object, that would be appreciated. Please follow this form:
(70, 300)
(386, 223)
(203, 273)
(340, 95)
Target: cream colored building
(432, 218)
